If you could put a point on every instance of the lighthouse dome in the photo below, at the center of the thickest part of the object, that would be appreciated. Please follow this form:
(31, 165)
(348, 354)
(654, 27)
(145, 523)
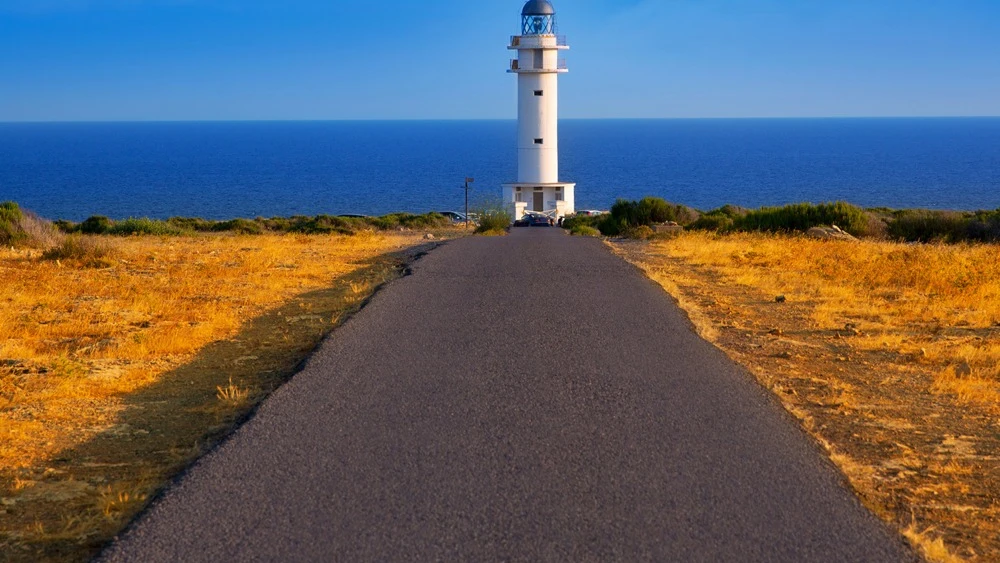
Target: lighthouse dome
(538, 8)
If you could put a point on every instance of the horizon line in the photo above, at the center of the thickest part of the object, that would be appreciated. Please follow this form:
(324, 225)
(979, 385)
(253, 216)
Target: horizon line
(452, 119)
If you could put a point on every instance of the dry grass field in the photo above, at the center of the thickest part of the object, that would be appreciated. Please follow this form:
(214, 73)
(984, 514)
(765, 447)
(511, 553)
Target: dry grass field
(889, 354)
(118, 369)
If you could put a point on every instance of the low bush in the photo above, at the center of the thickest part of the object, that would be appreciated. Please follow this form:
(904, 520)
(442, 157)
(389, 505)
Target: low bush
(576, 221)
(388, 222)
(804, 216)
(651, 210)
(11, 233)
(584, 231)
(731, 211)
(38, 232)
(924, 225)
(142, 226)
(409, 221)
(627, 215)
(431, 220)
(96, 225)
(65, 226)
(277, 224)
(493, 217)
(327, 224)
(641, 232)
(87, 250)
(985, 226)
(192, 224)
(23, 228)
(241, 226)
(877, 225)
(712, 222)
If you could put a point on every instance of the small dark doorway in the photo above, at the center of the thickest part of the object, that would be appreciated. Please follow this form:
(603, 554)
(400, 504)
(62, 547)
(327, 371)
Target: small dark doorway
(539, 201)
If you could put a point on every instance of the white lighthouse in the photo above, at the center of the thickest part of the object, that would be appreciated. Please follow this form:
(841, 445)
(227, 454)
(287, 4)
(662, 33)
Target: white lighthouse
(538, 67)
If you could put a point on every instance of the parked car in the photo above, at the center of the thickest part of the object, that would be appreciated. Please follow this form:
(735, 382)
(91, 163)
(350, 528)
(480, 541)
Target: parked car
(537, 220)
(522, 221)
(455, 216)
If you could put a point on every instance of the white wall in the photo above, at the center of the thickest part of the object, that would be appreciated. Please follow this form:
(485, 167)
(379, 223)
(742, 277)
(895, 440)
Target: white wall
(538, 118)
(549, 200)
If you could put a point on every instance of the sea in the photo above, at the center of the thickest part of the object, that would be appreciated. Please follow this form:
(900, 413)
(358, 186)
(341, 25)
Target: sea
(221, 170)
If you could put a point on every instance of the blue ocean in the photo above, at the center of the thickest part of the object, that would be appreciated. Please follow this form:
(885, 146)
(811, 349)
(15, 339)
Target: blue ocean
(220, 170)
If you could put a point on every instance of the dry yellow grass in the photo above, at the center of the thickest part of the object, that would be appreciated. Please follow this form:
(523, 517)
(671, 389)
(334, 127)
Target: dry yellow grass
(888, 353)
(114, 377)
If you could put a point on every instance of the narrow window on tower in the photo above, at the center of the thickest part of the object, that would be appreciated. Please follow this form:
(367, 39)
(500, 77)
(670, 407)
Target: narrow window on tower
(538, 92)
(538, 141)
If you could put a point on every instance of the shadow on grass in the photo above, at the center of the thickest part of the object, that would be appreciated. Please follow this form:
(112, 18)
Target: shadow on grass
(90, 492)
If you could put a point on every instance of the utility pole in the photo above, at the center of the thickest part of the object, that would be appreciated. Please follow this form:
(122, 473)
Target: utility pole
(467, 182)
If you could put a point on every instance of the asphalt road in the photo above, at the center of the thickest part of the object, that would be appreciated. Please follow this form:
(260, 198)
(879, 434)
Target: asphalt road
(525, 398)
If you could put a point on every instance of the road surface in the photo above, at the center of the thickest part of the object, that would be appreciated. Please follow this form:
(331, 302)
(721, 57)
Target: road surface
(525, 398)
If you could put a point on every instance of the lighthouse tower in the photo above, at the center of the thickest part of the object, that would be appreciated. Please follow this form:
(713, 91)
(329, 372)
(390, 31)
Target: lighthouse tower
(538, 67)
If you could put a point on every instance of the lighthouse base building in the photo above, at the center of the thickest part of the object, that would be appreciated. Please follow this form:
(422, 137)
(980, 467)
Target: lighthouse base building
(554, 200)
(538, 66)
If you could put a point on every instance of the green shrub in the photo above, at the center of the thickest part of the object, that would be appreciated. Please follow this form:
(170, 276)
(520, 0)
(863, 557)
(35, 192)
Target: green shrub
(627, 215)
(576, 221)
(610, 226)
(804, 216)
(277, 224)
(923, 225)
(328, 224)
(584, 231)
(641, 232)
(985, 226)
(409, 221)
(192, 224)
(66, 226)
(712, 222)
(241, 226)
(96, 225)
(11, 233)
(143, 226)
(431, 220)
(388, 222)
(656, 209)
(493, 216)
(731, 211)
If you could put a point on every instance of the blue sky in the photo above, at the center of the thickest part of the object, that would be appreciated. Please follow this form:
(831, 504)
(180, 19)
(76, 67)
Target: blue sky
(445, 59)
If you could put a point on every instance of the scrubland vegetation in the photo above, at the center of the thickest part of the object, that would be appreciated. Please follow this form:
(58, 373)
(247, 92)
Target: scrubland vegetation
(122, 358)
(887, 352)
(310, 225)
(627, 219)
